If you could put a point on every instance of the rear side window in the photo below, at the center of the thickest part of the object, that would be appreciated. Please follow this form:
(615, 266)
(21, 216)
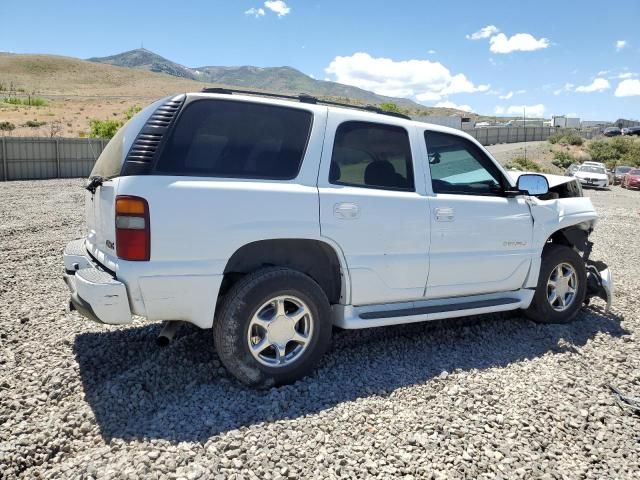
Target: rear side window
(372, 155)
(221, 138)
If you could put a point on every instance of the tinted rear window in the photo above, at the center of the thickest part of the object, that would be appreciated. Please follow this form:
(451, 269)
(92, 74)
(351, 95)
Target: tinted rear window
(222, 138)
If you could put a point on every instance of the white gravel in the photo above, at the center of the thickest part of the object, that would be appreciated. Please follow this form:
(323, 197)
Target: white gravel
(496, 397)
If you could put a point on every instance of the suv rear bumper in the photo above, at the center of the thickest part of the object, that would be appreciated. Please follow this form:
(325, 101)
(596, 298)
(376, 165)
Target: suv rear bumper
(95, 293)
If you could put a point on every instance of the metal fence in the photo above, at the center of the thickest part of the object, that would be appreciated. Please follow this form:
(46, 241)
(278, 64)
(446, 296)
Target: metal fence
(494, 135)
(36, 158)
(23, 158)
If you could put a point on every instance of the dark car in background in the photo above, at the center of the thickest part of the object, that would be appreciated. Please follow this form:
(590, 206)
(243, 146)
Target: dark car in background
(633, 131)
(632, 179)
(619, 173)
(612, 132)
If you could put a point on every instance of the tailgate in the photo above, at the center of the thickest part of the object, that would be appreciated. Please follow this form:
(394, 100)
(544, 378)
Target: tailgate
(101, 226)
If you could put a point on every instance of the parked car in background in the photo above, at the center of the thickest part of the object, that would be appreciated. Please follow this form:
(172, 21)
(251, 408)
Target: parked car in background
(573, 168)
(632, 179)
(612, 132)
(624, 131)
(619, 173)
(633, 131)
(592, 176)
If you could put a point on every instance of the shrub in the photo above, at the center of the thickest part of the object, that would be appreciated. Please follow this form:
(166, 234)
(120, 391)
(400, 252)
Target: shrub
(616, 151)
(34, 124)
(570, 137)
(6, 126)
(104, 128)
(521, 163)
(29, 101)
(563, 159)
(132, 111)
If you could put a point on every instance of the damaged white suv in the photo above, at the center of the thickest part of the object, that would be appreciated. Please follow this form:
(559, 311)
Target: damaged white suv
(273, 219)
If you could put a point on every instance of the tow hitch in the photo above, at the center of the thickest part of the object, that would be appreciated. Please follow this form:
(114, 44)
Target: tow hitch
(599, 283)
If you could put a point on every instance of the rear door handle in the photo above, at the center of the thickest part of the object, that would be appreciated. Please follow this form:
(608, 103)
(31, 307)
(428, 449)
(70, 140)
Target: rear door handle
(346, 211)
(444, 214)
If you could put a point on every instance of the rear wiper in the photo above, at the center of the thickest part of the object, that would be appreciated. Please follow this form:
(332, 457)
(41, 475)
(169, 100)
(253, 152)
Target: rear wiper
(94, 183)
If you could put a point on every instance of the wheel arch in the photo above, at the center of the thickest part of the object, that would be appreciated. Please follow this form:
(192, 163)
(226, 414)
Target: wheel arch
(575, 236)
(318, 259)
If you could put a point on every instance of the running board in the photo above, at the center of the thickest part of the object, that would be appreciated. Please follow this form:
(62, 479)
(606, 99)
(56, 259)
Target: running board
(452, 307)
(353, 317)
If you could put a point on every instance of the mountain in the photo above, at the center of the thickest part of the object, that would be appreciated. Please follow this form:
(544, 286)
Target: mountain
(273, 79)
(143, 59)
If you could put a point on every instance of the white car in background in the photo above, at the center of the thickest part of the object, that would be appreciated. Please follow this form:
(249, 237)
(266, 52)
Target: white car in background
(591, 174)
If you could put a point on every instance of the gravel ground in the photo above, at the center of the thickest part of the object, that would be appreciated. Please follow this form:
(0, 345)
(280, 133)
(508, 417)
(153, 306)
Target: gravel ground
(494, 397)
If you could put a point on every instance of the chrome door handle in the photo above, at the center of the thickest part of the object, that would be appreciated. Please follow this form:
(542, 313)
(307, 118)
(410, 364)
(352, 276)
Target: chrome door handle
(346, 211)
(444, 214)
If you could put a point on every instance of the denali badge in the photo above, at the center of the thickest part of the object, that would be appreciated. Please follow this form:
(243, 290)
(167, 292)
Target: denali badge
(514, 244)
(109, 244)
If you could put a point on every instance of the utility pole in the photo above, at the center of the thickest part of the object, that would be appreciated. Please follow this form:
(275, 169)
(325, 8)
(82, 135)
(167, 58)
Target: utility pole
(524, 123)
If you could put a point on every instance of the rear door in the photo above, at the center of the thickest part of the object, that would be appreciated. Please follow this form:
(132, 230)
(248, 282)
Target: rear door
(481, 239)
(372, 204)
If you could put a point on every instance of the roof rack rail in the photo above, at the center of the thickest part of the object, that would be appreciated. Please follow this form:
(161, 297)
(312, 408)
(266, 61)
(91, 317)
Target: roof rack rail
(304, 98)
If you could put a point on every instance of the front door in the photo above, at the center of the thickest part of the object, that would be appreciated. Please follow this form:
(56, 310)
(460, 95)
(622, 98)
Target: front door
(481, 238)
(372, 205)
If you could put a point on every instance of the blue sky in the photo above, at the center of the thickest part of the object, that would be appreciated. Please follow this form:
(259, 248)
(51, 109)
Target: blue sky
(555, 57)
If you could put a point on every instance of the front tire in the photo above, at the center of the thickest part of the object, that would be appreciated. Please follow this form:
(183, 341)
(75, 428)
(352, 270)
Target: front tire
(562, 286)
(273, 327)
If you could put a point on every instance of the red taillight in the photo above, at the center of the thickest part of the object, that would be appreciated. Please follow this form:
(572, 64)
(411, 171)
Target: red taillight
(133, 233)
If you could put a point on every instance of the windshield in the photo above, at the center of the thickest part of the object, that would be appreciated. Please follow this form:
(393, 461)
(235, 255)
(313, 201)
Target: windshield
(634, 172)
(591, 169)
(622, 169)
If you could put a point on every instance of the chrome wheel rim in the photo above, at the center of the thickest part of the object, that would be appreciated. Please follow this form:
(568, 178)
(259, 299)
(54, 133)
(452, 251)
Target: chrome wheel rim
(562, 287)
(280, 331)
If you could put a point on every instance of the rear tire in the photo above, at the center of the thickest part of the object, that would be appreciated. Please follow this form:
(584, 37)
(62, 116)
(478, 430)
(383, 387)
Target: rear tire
(273, 327)
(562, 286)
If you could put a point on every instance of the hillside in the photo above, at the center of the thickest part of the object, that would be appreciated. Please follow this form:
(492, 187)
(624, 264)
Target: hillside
(274, 79)
(77, 91)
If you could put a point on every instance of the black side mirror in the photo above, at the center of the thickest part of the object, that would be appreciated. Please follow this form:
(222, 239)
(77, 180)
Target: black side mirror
(533, 184)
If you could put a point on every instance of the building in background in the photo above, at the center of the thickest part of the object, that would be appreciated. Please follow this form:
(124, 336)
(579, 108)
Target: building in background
(562, 121)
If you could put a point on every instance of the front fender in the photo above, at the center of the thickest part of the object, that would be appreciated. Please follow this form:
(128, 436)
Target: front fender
(551, 216)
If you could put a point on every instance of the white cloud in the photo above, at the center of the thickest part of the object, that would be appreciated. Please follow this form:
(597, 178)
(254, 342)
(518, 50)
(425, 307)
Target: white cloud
(278, 6)
(626, 75)
(506, 96)
(602, 72)
(520, 42)
(431, 52)
(567, 88)
(425, 80)
(628, 88)
(520, 92)
(484, 32)
(448, 104)
(536, 111)
(598, 85)
(620, 44)
(255, 12)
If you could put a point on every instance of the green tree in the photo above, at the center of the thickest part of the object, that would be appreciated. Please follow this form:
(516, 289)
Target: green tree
(390, 107)
(104, 128)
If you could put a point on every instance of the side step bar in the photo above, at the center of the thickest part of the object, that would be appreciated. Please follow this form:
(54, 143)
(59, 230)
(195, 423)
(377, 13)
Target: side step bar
(366, 316)
(451, 307)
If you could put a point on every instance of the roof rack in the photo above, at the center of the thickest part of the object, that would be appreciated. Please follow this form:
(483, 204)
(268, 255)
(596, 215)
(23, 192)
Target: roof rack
(304, 98)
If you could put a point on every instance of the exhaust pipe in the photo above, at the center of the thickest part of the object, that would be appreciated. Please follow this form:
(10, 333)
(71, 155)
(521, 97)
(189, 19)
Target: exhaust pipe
(169, 329)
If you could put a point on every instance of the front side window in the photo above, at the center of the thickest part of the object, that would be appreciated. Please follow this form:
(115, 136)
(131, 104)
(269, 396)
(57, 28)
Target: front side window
(458, 166)
(223, 138)
(372, 155)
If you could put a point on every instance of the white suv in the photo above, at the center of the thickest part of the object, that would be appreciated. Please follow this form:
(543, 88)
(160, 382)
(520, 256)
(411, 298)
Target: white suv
(272, 220)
